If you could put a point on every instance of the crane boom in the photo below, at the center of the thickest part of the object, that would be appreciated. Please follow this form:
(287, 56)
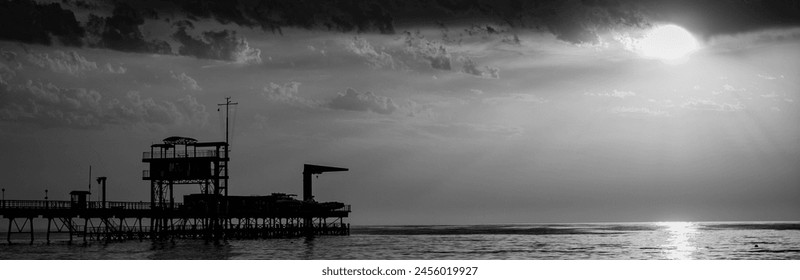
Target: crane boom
(310, 169)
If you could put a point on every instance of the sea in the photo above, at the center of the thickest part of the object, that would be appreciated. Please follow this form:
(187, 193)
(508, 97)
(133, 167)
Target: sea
(591, 241)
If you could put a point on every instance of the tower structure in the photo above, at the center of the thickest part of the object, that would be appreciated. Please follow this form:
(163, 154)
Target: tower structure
(184, 161)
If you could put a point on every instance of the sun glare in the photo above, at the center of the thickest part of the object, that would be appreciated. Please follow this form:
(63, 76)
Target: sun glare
(680, 240)
(667, 42)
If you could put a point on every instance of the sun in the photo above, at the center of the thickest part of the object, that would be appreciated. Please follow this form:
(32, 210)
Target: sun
(667, 42)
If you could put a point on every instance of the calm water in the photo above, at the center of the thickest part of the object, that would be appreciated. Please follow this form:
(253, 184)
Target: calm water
(677, 240)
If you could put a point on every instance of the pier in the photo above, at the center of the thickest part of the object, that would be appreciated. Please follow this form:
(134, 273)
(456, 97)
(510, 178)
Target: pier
(137, 220)
(211, 214)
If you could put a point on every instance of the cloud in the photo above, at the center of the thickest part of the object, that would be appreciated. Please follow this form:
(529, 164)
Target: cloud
(340, 16)
(416, 109)
(48, 105)
(192, 112)
(728, 87)
(573, 21)
(350, 100)
(376, 60)
(118, 70)
(6, 74)
(63, 62)
(471, 67)
(709, 105)
(771, 95)
(768, 77)
(711, 18)
(515, 98)
(484, 30)
(67, 62)
(135, 109)
(614, 93)
(29, 22)
(219, 45)
(367, 101)
(287, 93)
(122, 32)
(244, 54)
(8, 55)
(747, 40)
(186, 81)
(638, 111)
(433, 52)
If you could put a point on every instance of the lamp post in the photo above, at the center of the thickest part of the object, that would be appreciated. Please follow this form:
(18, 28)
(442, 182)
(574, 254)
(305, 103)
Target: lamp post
(46, 205)
(4, 197)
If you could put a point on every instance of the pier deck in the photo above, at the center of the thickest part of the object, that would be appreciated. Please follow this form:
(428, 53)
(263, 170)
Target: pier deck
(140, 220)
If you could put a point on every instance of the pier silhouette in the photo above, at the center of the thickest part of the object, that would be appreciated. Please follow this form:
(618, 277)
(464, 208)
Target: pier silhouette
(210, 214)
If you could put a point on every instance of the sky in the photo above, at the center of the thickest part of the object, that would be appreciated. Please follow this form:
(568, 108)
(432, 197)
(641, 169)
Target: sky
(445, 112)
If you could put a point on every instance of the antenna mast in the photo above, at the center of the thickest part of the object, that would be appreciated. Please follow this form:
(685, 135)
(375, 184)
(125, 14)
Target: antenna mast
(227, 105)
(90, 182)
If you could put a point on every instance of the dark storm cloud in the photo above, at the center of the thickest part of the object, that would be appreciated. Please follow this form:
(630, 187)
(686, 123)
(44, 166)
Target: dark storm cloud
(348, 15)
(122, 32)
(29, 22)
(574, 21)
(352, 100)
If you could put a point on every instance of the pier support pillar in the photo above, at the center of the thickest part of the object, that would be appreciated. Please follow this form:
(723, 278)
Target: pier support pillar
(8, 236)
(31, 226)
(71, 228)
(85, 228)
(49, 221)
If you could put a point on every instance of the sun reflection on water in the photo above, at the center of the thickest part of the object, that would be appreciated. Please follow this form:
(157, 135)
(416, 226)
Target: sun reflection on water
(680, 242)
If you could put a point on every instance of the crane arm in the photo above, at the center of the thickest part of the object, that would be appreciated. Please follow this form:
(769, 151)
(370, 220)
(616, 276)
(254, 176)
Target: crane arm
(310, 169)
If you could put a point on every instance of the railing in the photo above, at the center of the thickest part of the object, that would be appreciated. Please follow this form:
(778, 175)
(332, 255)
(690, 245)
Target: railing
(177, 205)
(180, 154)
(36, 204)
(346, 208)
(165, 175)
(120, 205)
(60, 204)
(66, 205)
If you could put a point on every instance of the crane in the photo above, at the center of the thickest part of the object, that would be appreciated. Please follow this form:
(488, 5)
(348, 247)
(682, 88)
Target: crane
(310, 169)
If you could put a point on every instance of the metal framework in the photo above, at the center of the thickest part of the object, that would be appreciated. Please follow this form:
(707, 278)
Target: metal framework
(182, 161)
(209, 214)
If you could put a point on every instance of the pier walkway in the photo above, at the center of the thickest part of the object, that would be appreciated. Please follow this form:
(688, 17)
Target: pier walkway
(141, 220)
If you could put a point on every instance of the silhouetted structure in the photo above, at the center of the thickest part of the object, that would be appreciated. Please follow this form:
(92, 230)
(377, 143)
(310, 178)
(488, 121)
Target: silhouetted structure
(183, 160)
(210, 214)
(310, 169)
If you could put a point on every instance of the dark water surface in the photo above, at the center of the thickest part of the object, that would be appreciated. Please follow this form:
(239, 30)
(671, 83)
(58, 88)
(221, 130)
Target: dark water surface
(662, 240)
